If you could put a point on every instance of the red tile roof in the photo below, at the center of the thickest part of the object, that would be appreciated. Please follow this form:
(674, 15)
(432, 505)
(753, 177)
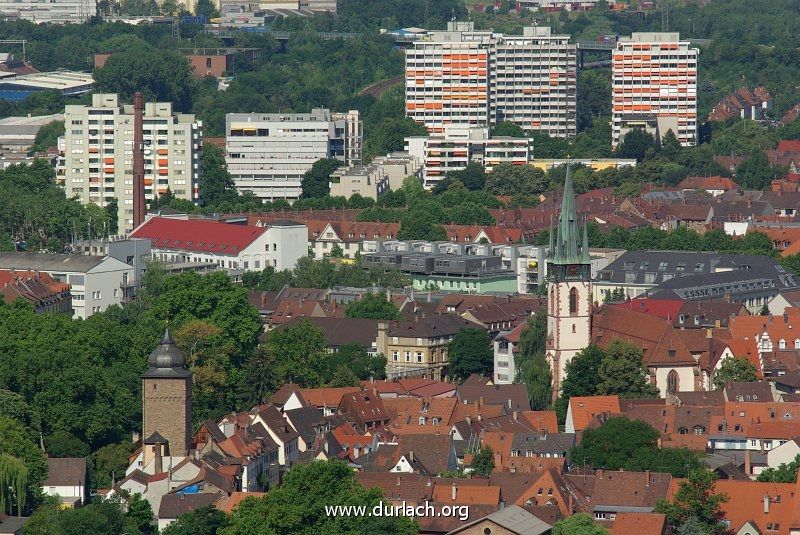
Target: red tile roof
(641, 523)
(663, 308)
(197, 235)
(584, 409)
(708, 183)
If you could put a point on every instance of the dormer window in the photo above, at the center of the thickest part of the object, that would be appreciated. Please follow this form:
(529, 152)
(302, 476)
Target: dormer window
(781, 344)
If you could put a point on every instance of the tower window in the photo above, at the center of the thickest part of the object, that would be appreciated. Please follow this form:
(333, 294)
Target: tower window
(672, 382)
(573, 301)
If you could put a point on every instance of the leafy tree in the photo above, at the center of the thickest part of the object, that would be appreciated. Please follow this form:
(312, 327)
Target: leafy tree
(162, 75)
(581, 378)
(508, 179)
(373, 306)
(736, 370)
(755, 172)
(670, 146)
(473, 176)
(692, 526)
(316, 181)
(206, 9)
(47, 136)
(106, 517)
(203, 521)
(23, 468)
(356, 359)
(216, 183)
(593, 97)
(343, 376)
(108, 464)
(507, 129)
(470, 352)
(784, 473)
(389, 135)
(64, 444)
(695, 499)
(483, 462)
(579, 524)
(300, 350)
(140, 514)
(298, 505)
(336, 251)
(635, 144)
(260, 378)
(623, 372)
(613, 444)
(420, 225)
(532, 367)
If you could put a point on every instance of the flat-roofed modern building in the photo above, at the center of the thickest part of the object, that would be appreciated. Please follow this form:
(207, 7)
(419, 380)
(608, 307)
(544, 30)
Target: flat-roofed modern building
(533, 82)
(54, 11)
(654, 87)
(268, 154)
(480, 78)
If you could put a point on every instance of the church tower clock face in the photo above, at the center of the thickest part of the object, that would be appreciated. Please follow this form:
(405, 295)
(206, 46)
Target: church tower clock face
(573, 270)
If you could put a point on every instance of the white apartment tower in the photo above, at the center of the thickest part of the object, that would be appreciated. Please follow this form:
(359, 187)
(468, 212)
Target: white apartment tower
(655, 87)
(533, 82)
(447, 77)
(97, 162)
(479, 78)
(267, 154)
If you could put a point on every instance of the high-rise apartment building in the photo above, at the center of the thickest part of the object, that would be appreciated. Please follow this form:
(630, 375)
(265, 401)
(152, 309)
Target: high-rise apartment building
(267, 154)
(459, 145)
(532, 82)
(479, 78)
(54, 11)
(655, 87)
(447, 77)
(97, 148)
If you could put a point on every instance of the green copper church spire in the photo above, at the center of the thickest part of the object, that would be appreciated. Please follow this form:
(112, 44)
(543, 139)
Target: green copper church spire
(569, 255)
(568, 241)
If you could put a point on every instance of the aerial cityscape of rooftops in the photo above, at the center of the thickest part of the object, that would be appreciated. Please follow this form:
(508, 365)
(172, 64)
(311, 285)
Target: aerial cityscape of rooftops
(525, 267)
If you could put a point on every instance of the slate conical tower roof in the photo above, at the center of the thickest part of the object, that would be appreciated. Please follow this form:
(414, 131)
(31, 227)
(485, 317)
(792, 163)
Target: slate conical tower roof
(571, 247)
(166, 360)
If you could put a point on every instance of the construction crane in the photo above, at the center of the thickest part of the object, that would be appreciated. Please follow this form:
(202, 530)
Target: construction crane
(15, 42)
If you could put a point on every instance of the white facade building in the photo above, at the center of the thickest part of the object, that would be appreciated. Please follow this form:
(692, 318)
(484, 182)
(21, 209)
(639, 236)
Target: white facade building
(459, 145)
(654, 87)
(97, 162)
(231, 246)
(268, 154)
(481, 78)
(56, 11)
(97, 282)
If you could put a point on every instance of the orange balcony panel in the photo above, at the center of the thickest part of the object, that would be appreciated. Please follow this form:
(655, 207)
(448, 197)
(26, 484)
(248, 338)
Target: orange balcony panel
(93, 150)
(161, 191)
(108, 169)
(162, 162)
(148, 181)
(109, 161)
(163, 152)
(163, 172)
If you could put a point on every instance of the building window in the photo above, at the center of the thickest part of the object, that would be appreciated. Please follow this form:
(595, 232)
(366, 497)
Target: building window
(573, 301)
(672, 382)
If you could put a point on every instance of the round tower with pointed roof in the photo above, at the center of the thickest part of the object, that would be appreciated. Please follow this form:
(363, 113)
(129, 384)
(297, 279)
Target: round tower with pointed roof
(569, 306)
(166, 400)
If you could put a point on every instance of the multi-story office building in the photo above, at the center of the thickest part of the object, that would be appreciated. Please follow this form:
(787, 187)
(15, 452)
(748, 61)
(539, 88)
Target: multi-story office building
(268, 154)
(532, 82)
(97, 147)
(384, 173)
(447, 77)
(456, 147)
(55, 11)
(655, 87)
(480, 78)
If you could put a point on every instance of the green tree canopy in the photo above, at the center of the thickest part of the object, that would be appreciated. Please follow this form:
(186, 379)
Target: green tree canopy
(298, 505)
(316, 181)
(470, 352)
(635, 144)
(373, 306)
(578, 524)
(696, 500)
(581, 377)
(203, 521)
(623, 372)
(532, 367)
(736, 370)
(784, 473)
(483, 462)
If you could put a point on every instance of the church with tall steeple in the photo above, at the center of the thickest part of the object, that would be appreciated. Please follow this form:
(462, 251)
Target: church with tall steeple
(569, 288)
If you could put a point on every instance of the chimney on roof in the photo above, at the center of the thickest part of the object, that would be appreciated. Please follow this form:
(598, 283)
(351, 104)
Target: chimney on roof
(647, 478)
(747, 462)
(453, 492)
(599, 473)
(509, 403)
(516, 415)
(411, 455)
(469, 420)
(159, 467)
(766, 504)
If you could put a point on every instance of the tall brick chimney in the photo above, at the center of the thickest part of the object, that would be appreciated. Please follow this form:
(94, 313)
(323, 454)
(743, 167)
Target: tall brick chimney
(139, 207)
